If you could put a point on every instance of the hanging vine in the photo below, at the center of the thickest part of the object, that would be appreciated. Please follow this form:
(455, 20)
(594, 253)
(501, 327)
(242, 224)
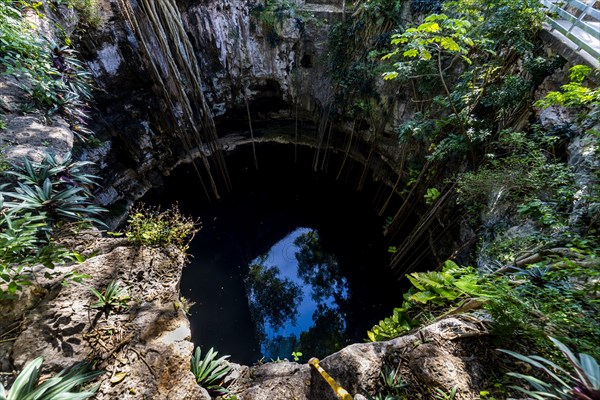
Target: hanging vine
(159, 26)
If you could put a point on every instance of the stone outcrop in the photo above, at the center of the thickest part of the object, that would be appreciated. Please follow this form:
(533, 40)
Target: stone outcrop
(242, 66)
(442, 355)
(144, 349)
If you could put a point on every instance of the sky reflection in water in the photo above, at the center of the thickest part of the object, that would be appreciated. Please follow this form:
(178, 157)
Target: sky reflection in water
(296, 296)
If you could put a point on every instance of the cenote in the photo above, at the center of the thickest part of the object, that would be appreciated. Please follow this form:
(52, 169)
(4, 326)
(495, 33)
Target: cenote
(289, 260)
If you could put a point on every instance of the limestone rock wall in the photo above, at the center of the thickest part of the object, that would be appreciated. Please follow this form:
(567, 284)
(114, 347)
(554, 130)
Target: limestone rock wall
(241, 65)
(442, 355)
(144, 349)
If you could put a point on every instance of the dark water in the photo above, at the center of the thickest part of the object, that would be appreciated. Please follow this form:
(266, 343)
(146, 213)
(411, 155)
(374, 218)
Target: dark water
(290, 260)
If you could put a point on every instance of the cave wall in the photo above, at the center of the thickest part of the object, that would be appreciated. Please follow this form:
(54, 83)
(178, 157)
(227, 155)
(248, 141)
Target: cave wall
(284, 80)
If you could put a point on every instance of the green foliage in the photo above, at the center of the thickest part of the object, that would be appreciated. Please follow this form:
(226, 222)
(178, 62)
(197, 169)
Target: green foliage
(209, 372)
(113, 298)
(397, 324)
(509, 24)
(552, 300)
(447, 285)
(50, 73)
(440, 394)
(524, 305)
(355, 45)
(431, 195)
(149, 226)
(525, 174)
(51, 195)
(575, 93)
(458, 66)
(88, 11)
(57, 189)
(21, 247)
(272, 14)
(436, 35)
(583, 383)
(66, 385)
(431, 291)
(296, 355)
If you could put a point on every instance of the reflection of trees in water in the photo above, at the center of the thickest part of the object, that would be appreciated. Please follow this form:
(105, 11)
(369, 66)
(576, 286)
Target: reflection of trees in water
(319, 269)
(280, 347)
(273, 300)
(326, 336)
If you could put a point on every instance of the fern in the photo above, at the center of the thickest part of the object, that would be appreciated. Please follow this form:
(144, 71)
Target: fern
(391, 327)
(437, 289)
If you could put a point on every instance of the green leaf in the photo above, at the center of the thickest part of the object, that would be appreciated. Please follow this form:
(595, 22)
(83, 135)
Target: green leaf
(411, 53)
(429, 27)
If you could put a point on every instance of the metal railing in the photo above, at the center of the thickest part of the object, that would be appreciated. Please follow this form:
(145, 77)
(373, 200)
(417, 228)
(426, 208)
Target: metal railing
(583, 30)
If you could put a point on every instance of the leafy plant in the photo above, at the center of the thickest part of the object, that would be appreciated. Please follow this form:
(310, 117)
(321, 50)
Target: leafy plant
(395, 325)
(447, 285)
(113, 298)
(50, 194)
(537, 275)
(65, 385)
(392, 386)
(583, 383)
(20, 247)
(296, 355)
(574, 93)
(431, 196)
(50, 73)
(149, 226)
(88, 10)
(430, 290)
(209, 372)
(440, 394)
(56, 188)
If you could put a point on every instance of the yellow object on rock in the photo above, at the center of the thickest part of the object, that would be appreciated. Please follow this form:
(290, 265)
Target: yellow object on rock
(339, 391)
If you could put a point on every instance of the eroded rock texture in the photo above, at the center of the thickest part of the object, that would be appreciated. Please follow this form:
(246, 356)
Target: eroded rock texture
(144, 349)
(442, 355)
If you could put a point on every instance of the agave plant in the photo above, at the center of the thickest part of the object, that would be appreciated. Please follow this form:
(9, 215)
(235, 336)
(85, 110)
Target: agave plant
(209, 372)
(61, 170)
(56, 188)
(114, 297)
(65, 385)
(583, 384)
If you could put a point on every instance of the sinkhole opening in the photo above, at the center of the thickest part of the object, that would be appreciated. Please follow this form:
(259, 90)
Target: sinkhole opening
(291, 260)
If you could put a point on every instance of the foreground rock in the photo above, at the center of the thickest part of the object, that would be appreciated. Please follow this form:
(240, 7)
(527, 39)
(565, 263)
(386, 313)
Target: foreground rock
(442, 355)
(145, 349)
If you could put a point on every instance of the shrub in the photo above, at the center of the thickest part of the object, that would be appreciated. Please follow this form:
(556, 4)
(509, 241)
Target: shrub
(59, 190)
(149, 226)
(46, 195)
(50, 73)
(430, 292)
